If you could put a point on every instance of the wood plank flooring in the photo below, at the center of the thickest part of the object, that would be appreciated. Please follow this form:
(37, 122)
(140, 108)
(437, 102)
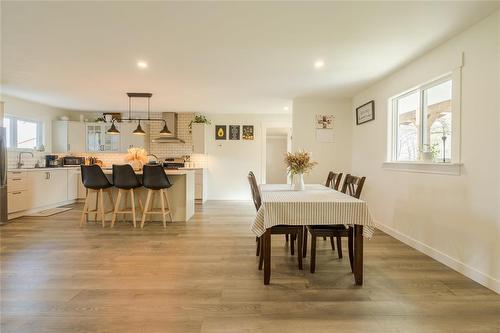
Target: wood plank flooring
(201, 276)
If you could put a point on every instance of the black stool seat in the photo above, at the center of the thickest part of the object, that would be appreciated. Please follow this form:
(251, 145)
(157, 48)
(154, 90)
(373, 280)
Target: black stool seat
(94, 178)
(155, 178)
(124, 177)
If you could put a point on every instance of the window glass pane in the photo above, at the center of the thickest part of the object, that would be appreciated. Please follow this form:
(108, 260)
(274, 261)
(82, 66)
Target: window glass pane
(8, 126)
(26, 134)
(407, 131)
(437, 121)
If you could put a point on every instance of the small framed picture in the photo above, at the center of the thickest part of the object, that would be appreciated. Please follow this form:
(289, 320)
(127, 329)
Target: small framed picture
(220, 132)
(365, 113)
(247, 132)
(324, 121)
(234, 132)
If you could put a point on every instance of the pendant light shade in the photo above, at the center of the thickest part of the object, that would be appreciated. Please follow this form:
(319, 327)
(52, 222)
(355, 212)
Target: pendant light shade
(139, 130)
(113, 130)
(165, 131)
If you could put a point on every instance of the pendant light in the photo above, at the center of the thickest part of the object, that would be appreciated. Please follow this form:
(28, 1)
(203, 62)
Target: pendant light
(113, 130)
(139, 130)
(165, 131)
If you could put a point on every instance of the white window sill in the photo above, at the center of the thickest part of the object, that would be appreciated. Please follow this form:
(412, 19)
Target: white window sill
(424, 167)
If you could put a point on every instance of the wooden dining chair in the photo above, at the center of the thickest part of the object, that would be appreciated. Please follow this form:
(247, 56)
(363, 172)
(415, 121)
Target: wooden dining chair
(333, 180)
(295, 231)
(352, 186)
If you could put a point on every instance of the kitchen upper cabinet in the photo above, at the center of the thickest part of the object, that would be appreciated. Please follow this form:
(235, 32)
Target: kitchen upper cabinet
(97, 139)
(48, 187)
(129, 140)
(68, 136)
(198, 132)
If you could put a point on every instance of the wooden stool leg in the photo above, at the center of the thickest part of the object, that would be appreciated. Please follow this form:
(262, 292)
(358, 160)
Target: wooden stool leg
(117, 207)
(313, 252)
(85, 210)
(163, 210)
(168, 205)
(339, 247)
(299, 248)
(146, 208)
(96, 211)
(100, 195)
(132, 202)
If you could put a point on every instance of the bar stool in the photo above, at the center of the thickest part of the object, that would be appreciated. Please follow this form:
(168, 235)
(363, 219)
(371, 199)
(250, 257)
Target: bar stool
(95, 181)
(156, 181)
(125, 180)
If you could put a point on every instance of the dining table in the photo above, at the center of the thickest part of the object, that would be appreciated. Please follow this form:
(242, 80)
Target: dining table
(315, 205)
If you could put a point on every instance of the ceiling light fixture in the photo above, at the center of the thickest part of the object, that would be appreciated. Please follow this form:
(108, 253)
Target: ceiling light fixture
(139, 130)
(142, 64)
(319, 64)
(286, 108)
(113, 130)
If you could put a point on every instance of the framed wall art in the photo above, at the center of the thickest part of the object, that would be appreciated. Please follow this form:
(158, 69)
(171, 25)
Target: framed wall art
(248, 132)
(234, 132)
(220, 132)
(365, 113)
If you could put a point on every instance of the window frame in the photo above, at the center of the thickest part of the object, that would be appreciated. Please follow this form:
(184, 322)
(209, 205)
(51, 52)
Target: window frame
(12, 139)
(394, 117)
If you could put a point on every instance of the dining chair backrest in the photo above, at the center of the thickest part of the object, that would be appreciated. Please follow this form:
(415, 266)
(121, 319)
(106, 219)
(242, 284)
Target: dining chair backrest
(154, 177)
(353, 185)
(124, 177)
(333, 180)
(93, 177)
(255, 190)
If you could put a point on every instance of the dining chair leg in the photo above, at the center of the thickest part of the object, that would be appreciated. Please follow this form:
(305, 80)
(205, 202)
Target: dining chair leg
(267, 256)
(132, 202)
(292, 245)
(304, 241)
(257, 251)
(350, 245)
(261, 255)
(324, 238)
(101, 204)
(299, 248)
(313, 253)
(339, 247)
(332, 243)
(117, 207)
(85, 210)
(146, 208)
(286, 238)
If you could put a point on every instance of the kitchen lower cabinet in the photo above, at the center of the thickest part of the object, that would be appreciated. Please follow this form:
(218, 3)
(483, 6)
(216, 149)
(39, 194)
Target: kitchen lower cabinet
(48, 187)
(73, 180)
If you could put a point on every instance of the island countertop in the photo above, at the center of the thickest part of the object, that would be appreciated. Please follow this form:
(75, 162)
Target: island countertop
(169, 172)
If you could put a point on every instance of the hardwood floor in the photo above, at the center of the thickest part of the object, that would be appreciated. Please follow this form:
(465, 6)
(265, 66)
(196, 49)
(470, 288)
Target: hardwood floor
(201, 276)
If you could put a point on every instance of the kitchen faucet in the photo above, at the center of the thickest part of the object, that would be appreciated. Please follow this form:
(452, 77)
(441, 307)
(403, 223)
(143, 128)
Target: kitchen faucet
(156, 157)
(19, 158)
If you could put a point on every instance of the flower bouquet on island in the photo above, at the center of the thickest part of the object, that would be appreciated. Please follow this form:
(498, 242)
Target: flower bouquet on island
(136, 157)
(298, 164)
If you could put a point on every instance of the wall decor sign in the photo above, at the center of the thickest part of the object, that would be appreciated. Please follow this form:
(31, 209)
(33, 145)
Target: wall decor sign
(324, 121)
(220, 132)
(234, 132)
(247, 132)
(365, 113)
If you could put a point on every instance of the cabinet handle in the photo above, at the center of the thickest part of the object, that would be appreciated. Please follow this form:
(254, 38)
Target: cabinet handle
(16, 192)
(47, 175)
(16, 172)
(16, 179)
(69, 147)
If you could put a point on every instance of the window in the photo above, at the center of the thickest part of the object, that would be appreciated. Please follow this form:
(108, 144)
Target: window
(22, 133)
(421, 123)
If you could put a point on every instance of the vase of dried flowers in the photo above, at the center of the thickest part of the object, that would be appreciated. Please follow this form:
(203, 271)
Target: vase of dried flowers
(136, 157)
(298, 164)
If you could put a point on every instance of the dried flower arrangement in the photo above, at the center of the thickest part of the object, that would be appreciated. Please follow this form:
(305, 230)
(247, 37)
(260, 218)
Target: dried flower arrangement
(299, 162)
(137, 157)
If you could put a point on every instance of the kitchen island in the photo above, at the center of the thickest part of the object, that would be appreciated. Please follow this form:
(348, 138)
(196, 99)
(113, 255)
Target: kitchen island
(180, 195)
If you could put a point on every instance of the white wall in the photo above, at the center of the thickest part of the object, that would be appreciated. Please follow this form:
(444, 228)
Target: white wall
(334, 156)
(230, 161)
(455, 219)
(276, 148)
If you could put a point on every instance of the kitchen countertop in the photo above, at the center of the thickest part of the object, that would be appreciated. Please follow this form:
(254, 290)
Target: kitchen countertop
(45, 169)
(107, 170)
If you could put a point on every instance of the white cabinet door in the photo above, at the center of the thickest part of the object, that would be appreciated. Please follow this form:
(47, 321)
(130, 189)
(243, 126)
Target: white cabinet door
(48, 187)
(129, 140)
(76, 136)
(98, 140)
(17, 201)
(73, 180)
(68, 136)
(198, 133)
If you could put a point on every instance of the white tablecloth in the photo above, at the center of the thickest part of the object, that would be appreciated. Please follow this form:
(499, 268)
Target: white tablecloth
(316, 205)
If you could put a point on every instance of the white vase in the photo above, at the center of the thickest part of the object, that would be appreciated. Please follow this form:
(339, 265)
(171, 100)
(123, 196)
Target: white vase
(298, 182)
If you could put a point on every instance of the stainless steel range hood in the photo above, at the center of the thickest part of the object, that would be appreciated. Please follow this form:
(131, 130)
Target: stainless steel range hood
(172, 122)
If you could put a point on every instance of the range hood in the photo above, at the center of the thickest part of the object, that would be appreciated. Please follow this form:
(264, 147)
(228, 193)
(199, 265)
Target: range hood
(172, 123)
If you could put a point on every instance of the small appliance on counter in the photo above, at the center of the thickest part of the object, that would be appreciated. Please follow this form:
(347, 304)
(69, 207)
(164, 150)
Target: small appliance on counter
(52, 161)
(73, 161)
(173, 163)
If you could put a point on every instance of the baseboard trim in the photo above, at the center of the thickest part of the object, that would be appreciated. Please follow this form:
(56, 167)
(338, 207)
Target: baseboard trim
(484, 279)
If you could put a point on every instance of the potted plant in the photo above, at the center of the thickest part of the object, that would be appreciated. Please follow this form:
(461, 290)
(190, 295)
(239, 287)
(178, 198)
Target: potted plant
(430, 152)
(297, 165)
(198, 119)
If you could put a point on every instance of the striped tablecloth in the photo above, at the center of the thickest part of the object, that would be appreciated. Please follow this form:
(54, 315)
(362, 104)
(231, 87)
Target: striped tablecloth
(317, 204)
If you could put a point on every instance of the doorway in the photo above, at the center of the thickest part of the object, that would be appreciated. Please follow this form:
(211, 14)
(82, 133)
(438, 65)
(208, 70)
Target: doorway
(277, 145)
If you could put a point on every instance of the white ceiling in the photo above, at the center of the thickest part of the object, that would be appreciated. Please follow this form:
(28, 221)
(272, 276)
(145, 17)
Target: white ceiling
(214, 57)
